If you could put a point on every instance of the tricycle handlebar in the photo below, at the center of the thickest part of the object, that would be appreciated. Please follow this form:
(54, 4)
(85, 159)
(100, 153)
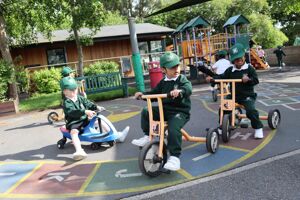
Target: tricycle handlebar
(155, 96)
(227, 80)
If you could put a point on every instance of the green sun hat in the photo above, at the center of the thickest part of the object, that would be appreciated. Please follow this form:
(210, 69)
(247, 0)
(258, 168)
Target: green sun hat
(169, 60)
(66, 71)
(222, 53)
(68, 83)
(236, 51)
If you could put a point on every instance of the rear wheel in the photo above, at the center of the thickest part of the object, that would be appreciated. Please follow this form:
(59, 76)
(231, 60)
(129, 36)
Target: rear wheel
(212, 140)
(61, 143)
(274, 118)
(149, 162)
(52, 117)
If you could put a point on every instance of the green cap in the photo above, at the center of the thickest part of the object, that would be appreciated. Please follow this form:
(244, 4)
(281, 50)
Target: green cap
(222, 53)
(66, 71)
(169, 60)
(236, 51)
(68, 83)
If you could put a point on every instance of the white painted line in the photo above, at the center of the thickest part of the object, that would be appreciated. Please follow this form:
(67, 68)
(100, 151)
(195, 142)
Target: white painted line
(294, 109)
(157, 193)
(201, 157)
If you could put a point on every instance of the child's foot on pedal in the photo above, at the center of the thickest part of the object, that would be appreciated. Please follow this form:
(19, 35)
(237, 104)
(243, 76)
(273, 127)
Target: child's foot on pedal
(141, 142)
(79, 155)
(123, 134)
(173, 164)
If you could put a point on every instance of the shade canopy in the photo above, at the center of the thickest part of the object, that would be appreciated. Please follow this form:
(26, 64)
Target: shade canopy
(179, 28)
(177, 5)
(236, 20)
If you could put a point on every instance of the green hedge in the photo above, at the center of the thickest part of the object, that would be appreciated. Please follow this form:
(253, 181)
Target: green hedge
(47, 80)
(101, 68)
(5, 78)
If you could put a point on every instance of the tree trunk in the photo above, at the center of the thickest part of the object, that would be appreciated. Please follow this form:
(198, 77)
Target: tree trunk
(4, 48)
(79, 52)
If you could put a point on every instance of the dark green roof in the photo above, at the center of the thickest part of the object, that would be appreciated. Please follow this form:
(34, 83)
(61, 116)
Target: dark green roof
(196, 22)
(177, 5)
(236, 20)
(179, 28)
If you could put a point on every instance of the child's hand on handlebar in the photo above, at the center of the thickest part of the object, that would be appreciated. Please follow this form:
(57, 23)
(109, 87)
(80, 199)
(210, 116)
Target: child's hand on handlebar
(90, 113)
(175, 93)
(209, 79)
(245, 78)
(138, 95)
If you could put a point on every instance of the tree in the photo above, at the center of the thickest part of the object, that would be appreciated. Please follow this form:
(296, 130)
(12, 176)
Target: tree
(19, 23)
(80, 14)
(218, 11)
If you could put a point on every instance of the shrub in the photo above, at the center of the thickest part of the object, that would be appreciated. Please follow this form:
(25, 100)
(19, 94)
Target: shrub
(5, 78)
(101, 68)
(47, 80)
(22, 77)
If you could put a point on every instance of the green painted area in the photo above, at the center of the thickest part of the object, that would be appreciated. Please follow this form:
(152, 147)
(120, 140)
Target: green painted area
(106, 177)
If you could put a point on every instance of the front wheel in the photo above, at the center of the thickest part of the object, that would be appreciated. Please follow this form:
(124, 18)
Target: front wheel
(149, 162)
(274, 118)
(61, 143)
(212, 140)
(226, 128)
(52, 117)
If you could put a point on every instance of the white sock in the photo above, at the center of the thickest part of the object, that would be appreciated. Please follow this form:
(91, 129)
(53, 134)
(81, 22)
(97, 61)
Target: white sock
(76, 142)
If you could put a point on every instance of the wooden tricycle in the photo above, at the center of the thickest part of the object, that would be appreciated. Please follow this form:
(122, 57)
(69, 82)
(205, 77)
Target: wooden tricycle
(153, 155)
(54, 116)
(228, 105)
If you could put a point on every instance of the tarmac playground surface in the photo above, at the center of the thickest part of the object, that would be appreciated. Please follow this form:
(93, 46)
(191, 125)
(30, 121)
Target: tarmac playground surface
(32, 167)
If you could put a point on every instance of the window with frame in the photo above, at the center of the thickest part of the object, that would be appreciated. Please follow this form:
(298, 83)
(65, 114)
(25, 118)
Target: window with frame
(56, 56)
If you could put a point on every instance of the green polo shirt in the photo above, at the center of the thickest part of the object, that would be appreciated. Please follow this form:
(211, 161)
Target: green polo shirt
(243, 90)
(75, 111)
(179, 104)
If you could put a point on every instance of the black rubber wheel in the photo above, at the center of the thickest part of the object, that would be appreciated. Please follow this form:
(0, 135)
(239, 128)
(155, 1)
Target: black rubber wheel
(214, 95)
(61, 143)
(52, 117)
(95, 146)
(274, 118)
(149, 162)
(111, 143)
(226, 128)
(212, 140)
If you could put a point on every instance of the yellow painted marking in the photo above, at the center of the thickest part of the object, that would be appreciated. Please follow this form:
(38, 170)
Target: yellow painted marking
(245, 157)
(207, 107)
(185, 174)
(89, 179)
(23, 179)
(123, 116)
(235, 148)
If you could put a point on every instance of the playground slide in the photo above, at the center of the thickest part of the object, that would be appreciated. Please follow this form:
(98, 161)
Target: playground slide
(256, 61)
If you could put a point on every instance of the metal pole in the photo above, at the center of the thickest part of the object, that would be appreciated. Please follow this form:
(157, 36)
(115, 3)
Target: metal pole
(136, 57)
(195, 47)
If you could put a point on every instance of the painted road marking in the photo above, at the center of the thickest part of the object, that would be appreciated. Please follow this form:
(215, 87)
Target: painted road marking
(7, 173)
(55, 179)
(122, 174)
(242, 136)
(201, 157)
(11, 174)
(104, 180)
(57, 176)
(209, 163)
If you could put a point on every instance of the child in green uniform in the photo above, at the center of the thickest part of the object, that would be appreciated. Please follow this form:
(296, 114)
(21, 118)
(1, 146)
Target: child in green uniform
(176, 109)
(78, 110)
(245, 94)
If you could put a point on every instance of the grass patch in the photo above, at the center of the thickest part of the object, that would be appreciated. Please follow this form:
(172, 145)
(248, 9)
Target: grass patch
(53, 100)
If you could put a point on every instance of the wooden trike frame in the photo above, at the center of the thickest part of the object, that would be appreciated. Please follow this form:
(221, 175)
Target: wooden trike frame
(230, 121)
(160, 126)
